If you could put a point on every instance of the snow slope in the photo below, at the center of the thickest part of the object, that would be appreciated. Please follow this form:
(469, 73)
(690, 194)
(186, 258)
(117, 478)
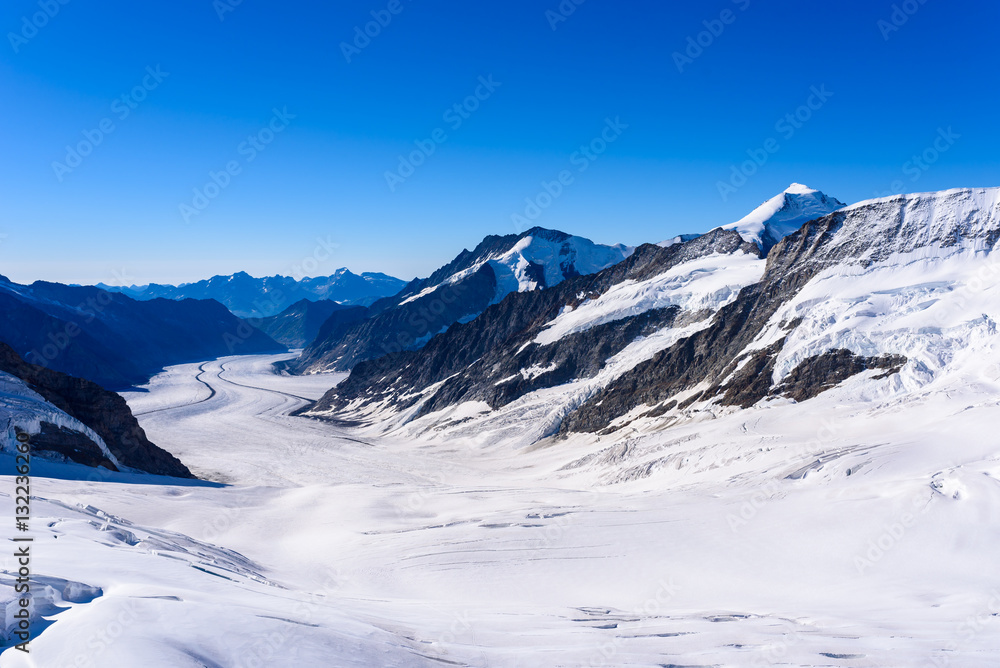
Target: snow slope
(769, 537)
(705, 283)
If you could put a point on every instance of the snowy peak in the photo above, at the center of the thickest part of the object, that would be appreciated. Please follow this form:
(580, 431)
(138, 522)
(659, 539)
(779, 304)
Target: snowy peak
(783, 214)
(543, 258)
(457, 293)
(537, 258)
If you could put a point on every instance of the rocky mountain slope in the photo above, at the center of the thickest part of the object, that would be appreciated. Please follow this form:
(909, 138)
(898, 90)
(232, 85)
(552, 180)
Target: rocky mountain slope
(250, 297)
(878, 291)
(74, 420)
(113, 339)
(298, 325)
(458, 292)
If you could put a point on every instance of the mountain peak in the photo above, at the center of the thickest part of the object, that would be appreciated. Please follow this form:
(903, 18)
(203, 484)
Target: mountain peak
(799, 189)
(783, 214)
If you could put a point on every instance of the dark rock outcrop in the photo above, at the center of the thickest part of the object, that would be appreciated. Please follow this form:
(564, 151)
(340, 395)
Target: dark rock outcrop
(106, 413)
(821, 372)
(403, 327)
(73, 445)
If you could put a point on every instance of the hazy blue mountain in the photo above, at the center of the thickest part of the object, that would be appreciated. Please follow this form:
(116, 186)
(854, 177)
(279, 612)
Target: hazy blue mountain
(247, 296)
(299, 324)
(114, 340)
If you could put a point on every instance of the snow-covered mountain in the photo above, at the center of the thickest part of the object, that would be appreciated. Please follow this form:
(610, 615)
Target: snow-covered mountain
(783, 214)
(248, 297)
(890, 295)
(460, 291)
(74, 420)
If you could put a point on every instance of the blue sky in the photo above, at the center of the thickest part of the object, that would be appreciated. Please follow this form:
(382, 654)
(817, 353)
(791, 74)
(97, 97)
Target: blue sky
(895, 78)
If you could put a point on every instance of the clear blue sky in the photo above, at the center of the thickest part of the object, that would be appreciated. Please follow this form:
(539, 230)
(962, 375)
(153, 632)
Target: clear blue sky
(323, 176)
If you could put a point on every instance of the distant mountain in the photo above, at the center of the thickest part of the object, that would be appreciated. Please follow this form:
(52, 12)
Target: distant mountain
(458, 292)
(250, 297)
(114, 340)
(298, 325)
(783, 214)
(74, 420)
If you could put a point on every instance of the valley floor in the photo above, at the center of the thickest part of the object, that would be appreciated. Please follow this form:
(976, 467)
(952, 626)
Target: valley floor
(852, 533)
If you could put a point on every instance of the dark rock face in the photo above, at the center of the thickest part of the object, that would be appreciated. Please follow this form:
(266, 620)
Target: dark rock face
(103, 411)
(114, 340)
(817, 374)
(70, 444)
(482, 360)
(298, 325)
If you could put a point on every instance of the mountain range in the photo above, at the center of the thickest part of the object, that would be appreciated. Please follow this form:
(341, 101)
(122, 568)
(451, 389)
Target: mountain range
(249, 297)
(803, 295)
(114, 340)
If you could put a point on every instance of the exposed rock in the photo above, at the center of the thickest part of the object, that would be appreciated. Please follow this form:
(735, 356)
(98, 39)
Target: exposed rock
(483, 360)
(114, 340)
(72, 445)
(458, 292)
(106, 413)
(821, 372)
